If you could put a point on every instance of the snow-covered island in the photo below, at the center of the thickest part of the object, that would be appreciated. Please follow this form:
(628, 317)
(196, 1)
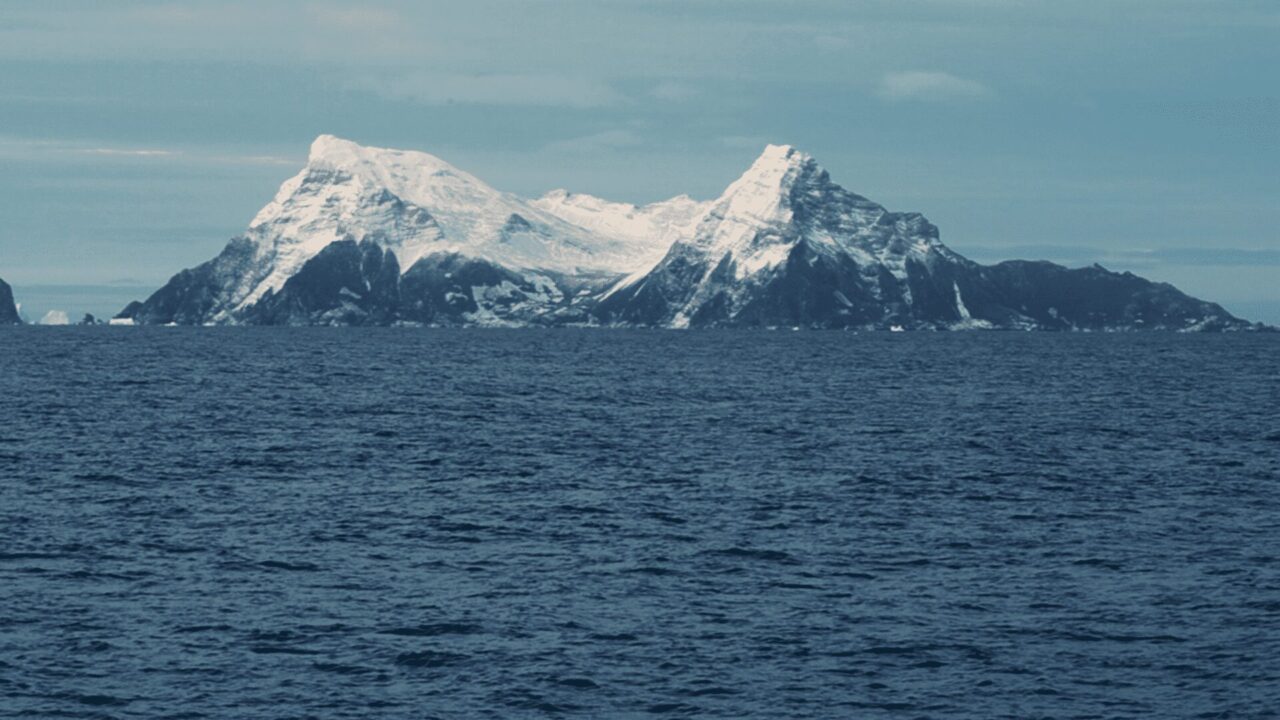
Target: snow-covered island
(373, 236)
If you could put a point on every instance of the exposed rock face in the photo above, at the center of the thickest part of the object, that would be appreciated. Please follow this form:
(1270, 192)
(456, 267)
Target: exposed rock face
(366, 236)
(347, 283)
(452, 289)
(8, 309)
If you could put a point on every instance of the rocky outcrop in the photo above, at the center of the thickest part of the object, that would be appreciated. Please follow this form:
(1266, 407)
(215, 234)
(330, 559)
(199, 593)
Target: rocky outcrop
(200, 294)
(8, 308)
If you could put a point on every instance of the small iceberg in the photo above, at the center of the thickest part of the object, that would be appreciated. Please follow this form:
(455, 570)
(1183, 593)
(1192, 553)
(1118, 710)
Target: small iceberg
(55, 317)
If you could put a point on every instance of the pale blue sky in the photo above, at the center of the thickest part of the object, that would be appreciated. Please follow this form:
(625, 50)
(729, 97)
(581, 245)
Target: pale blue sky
(137, 137)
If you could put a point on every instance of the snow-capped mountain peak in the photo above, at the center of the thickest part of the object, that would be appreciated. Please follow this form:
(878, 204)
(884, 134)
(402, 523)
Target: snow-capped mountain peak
(330, 151)
(782, 220)
(761, 194)
(786, 197)
(417, 177)
(416, 204)
(751, 222)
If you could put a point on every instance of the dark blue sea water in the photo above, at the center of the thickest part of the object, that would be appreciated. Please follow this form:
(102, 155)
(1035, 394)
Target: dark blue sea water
(328, 523)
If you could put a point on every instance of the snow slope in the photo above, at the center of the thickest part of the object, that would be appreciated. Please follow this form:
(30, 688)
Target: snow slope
(650, 229)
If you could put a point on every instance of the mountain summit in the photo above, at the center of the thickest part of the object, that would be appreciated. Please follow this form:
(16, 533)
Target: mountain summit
(784, 245)
(366, 235)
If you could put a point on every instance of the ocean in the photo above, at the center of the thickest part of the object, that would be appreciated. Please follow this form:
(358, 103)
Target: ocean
(408, 523)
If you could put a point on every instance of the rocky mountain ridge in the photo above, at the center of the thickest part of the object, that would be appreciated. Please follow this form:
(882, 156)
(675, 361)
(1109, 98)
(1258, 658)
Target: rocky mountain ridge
(377, 236)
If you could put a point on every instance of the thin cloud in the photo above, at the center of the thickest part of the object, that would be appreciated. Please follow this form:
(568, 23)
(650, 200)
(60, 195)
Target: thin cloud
(36, 149)
(830, 42)
(1200, 256)
(495, 89)
(673, 91)
(1128, 257)
(930, 86)
(607, 140)
(362, 19)
(197, 157)
(256, 160)
(743, 142)
(119, 152)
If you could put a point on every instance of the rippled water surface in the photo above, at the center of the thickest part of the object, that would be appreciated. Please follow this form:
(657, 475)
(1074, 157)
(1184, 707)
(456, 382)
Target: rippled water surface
(272, 523)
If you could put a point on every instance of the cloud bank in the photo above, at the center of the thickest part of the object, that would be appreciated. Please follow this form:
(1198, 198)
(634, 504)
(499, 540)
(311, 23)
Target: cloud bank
(930, 86)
